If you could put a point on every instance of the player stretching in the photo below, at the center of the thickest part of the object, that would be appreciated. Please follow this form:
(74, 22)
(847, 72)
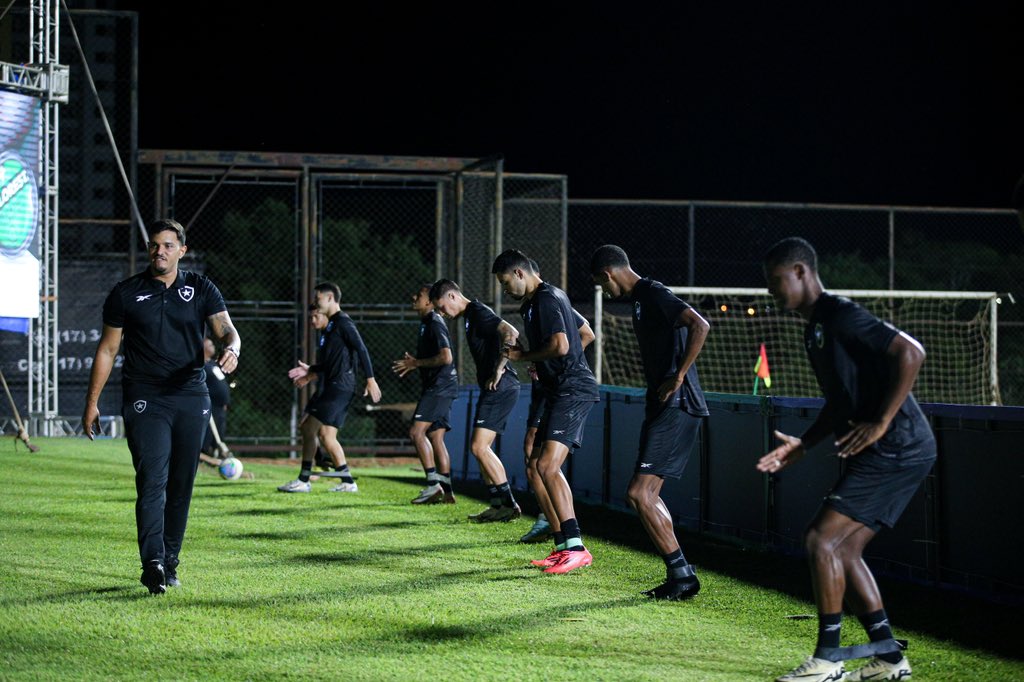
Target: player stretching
(570, 390)
(340, 344)
(432, 419)
(670, 334)
(486, 334)
(865, 368)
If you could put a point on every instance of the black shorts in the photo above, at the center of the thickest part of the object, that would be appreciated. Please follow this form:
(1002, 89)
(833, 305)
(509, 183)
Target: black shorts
(437, 410)
(538, 403)
(666, 441)
(330, 407)
(876, 486)
(494, 407)
(563, 421)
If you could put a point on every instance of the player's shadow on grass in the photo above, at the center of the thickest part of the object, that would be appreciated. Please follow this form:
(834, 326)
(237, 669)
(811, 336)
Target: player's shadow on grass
(267, 511)
(71, 595)
(301, 534)
(382, 554)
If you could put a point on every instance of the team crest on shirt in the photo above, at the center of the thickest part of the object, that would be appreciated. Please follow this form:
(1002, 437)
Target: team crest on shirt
(322, 339)
(467, 325)
(330, 326)
(819, 335)
(636, 310)
(186, 293)
(529, 314)
(140, 406)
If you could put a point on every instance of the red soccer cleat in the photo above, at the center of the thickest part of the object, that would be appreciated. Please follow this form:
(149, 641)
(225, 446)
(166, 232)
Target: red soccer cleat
(570, 561)
(550, 559)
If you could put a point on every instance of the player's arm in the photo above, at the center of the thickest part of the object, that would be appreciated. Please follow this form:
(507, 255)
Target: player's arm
(354, 341)
(507, 336)
(102, 364)
(227, 335)
(586, 334)
(408, 363)
(794, 448)
(905, 356)
(697, 331)
(556, 346)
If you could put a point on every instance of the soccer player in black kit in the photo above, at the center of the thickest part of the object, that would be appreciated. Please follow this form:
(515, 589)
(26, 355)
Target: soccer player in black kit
(340, 348)
(440, 386)
(865, 368)
(570, 391)
(486, 335)
(670, 335)
(161, 314)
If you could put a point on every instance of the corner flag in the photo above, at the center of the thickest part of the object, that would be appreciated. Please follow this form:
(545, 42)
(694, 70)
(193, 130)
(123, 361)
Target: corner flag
(761, 370)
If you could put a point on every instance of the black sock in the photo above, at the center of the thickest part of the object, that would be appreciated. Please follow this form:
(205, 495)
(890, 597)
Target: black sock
(346, 475)
(495, 497)
(505, 493)
(445, 479)
(573, 537)
(876, 624)
(306, 471)
(431, 475)
(559, 538)
(828, 630)
(678, 570)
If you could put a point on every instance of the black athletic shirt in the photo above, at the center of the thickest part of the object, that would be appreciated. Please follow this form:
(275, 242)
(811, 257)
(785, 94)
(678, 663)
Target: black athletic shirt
(441, 381)
(485, 345)
(163, 328)
(663, 345)
(550, 313)
(340, 343)
(847, 348)
(524, 311)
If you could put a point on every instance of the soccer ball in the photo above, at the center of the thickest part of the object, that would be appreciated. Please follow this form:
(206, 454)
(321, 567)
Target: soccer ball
(230, 469)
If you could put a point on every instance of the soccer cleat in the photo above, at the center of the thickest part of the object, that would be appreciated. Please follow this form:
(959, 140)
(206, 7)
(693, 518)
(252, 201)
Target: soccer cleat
(540, 531)
(344, 488)
(171, 572)
(877, 669)
(432, 494)
(153, 577)
(675, 590)
(570, 561)
(494, 514)
(295, 486)
(815, 670)
(449, 498)
(550, 559)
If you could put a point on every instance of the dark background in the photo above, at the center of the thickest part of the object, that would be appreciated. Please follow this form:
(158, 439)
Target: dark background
(902, 103)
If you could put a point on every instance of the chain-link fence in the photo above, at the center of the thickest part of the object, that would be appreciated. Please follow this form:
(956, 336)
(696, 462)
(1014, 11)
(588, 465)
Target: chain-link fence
(713, 244)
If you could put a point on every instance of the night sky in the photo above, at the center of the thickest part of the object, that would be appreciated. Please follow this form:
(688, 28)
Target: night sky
(894, 103)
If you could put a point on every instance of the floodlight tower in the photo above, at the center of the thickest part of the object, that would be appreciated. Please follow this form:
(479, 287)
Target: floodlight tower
(45, 78)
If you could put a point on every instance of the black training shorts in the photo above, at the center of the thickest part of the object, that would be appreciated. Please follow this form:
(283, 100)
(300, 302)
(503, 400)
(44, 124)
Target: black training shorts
(666, 441)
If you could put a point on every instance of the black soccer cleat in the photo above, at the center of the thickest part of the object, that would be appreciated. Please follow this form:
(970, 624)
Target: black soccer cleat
(171, 572)
(153, 576)
(675, 590)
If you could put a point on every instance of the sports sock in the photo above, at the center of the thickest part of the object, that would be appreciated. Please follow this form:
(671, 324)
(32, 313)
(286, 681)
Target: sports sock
(346, 475)
(828, 630)
(495, 497)
(431, 475)
(559, 539)
(674, 563)
(445, 479)
(877, 626)
(306, 471)
(573, 539)
(505, 493)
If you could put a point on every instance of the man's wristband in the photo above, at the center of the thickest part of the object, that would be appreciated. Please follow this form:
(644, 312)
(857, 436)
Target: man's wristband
(232, 351)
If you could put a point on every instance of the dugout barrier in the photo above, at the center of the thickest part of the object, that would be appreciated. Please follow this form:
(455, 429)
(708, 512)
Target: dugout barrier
(958, 530)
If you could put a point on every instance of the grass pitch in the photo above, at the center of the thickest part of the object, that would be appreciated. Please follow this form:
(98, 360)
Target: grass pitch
(366, 587)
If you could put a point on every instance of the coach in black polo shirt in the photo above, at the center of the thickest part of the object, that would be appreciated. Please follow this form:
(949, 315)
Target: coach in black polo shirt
(556, 350)
(161, 315)
(866, 368)
(670, 334)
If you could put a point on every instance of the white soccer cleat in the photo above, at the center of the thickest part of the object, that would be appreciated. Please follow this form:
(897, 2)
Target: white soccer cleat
(432, 494)
(815, 670)
(295, 486)
(344, 488)
(877, 669)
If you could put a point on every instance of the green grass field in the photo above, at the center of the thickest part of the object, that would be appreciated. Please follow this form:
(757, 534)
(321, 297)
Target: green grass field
(366, 587)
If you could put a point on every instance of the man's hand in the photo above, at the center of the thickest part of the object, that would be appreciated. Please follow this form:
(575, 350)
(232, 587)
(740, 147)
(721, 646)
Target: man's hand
(492, 385)
(372, 390)
(791, 450)
(404, 366)
(228, 360)
(514, 353)
(860, 436)
(91, 420)
(668, 387)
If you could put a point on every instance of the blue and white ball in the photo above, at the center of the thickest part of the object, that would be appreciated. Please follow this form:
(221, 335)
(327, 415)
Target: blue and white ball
(230, 469)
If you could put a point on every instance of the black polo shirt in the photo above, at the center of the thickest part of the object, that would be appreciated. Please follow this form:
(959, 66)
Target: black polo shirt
(524, 311)
(663, 344)
(550, 313)
(163, 328)
(440, 381)
(847, 348)
(340, 346)
(484, 343)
